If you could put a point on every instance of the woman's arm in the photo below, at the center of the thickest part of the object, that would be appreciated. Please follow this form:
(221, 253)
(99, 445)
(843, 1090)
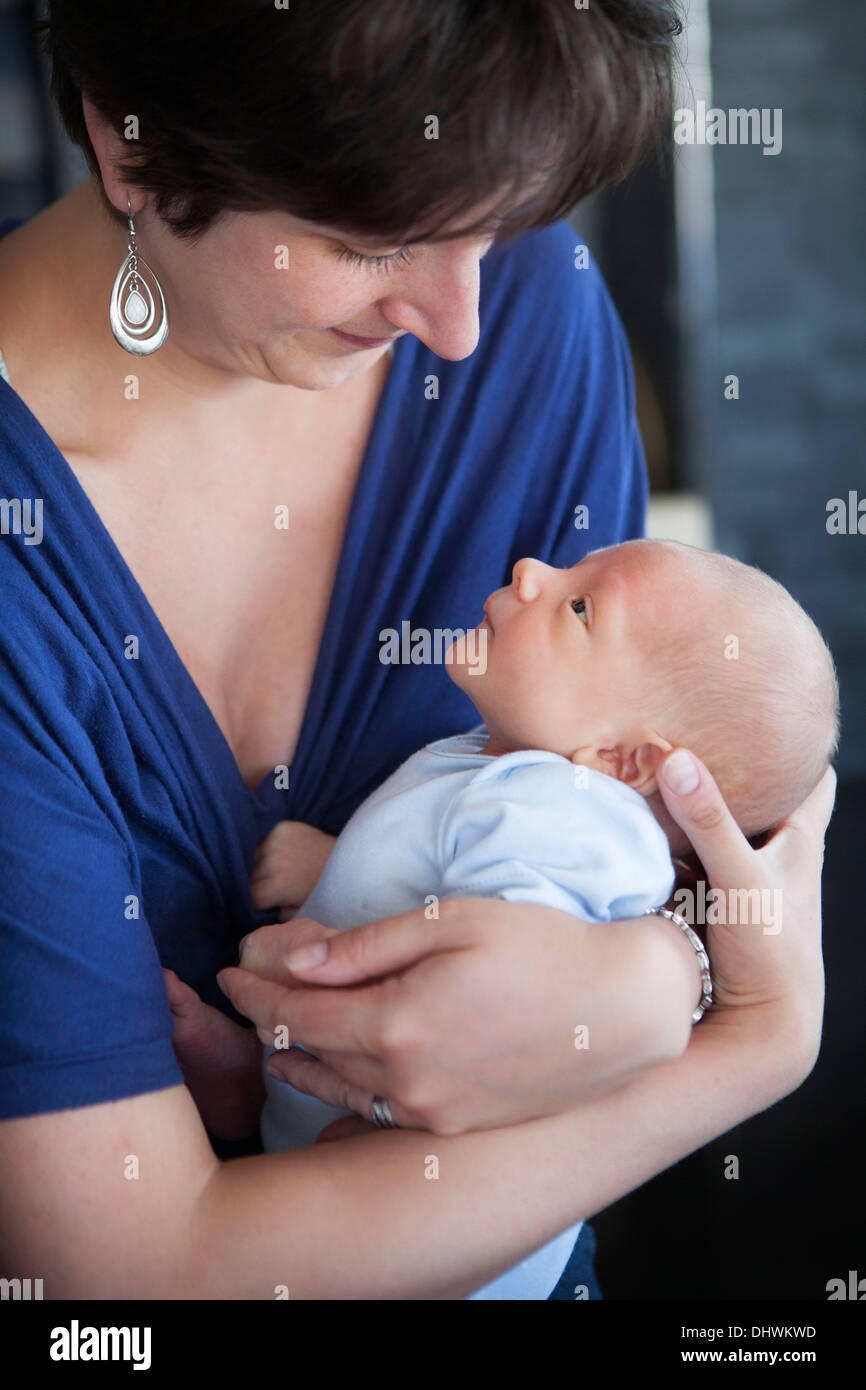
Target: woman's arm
(470, 1020)
(516, 982)
(126, 1200)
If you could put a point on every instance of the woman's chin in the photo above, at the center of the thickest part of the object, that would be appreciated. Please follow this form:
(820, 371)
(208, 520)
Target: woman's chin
(311, 371)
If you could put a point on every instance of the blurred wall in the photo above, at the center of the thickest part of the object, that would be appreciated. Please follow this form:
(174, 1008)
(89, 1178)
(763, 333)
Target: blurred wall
(789, 311)
(791, 236)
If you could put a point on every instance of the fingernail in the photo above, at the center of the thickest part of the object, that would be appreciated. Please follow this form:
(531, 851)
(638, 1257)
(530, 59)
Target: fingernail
(274, 1071)
(681, 772)
(305, 957)
(242, 943)
(219, 981)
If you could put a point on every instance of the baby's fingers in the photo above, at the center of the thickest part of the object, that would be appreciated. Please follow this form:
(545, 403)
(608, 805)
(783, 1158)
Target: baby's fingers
(182, 998)
(267, 890)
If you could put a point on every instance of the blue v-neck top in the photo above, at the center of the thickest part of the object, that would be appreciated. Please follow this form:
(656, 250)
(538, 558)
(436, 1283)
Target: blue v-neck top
(127, 832)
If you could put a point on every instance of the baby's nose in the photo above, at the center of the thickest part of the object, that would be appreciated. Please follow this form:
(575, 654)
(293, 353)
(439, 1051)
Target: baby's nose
(528, 577)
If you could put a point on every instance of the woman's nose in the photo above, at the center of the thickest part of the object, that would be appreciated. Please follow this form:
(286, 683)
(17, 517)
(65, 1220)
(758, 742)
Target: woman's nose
(438, 303)
(529, 577)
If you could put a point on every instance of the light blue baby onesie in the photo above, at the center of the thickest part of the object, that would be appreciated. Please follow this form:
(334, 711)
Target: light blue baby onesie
(453, 821)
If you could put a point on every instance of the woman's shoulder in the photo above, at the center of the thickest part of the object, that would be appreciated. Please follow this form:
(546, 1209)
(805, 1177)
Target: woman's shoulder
(23, 503)
(547, 323)
(542, 276)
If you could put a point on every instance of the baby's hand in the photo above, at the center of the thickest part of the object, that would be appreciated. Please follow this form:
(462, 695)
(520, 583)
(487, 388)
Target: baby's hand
(220, 1061)
(288, 865)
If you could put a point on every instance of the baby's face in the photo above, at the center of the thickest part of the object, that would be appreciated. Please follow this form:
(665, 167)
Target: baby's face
(565, 649)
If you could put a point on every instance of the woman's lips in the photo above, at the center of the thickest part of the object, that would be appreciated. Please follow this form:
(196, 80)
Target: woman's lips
(362, 343)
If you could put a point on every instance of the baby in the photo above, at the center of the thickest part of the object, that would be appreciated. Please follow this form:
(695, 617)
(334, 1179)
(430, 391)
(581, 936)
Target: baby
(590, 676)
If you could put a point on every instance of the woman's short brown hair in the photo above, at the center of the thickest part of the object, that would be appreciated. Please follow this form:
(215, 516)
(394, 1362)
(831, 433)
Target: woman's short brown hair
(323, 109)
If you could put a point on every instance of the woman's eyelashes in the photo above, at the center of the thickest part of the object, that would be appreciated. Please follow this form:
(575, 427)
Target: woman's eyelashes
(402, 257)
(578, 606)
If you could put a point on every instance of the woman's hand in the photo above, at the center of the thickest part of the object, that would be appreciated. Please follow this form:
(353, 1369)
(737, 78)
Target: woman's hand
(774, 958)
(493, 1013)
(470, 1022)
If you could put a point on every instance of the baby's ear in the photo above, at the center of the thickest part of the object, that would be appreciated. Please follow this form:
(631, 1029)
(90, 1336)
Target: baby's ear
(607, 760)
(640, 771)
(621, 760)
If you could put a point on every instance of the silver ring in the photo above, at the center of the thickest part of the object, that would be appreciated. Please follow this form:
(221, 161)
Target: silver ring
(380, 1114)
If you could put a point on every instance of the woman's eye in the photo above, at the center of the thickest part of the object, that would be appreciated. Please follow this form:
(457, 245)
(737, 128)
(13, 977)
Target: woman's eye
(401, 257)
(578, 606)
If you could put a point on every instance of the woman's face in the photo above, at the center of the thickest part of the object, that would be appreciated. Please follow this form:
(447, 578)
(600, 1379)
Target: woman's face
(272, 296)
(286, 300)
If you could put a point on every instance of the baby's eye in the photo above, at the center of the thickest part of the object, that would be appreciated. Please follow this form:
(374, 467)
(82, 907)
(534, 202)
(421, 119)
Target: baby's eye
(578, 606)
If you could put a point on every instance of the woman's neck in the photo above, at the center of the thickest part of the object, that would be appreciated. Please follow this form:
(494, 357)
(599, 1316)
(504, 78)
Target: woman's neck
(56, 274)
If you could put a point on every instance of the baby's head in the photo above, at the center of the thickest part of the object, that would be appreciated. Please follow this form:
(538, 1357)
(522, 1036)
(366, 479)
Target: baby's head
(651, 645)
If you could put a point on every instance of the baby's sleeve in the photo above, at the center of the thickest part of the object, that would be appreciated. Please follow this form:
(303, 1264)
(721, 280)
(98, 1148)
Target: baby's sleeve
(557, 835)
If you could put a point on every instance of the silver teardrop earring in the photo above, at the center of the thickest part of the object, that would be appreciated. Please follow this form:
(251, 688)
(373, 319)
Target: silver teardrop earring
(134, 299)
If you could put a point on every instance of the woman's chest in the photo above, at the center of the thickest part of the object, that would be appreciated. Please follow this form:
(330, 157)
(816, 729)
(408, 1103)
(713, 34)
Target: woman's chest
(239, 572)
(234, 538)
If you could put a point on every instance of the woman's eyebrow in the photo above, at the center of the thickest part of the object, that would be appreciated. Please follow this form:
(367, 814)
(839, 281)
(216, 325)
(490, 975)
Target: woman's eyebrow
(361, 238)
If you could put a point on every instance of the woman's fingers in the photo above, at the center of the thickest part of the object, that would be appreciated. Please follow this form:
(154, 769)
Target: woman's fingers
(337, 1020)
(264, 950)
(696, 804)
(369, 952)
(806, 827)
(263, 1001)
(314, 1078)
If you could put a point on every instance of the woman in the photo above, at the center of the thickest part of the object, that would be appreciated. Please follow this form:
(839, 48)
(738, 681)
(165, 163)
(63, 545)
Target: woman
(190, 642)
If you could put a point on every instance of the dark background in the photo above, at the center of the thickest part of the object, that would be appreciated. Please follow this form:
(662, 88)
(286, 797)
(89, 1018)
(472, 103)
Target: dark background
(721, 260)
(779, 300)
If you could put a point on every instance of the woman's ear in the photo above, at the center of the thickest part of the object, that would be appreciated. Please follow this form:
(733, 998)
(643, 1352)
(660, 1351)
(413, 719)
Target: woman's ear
(109, 147)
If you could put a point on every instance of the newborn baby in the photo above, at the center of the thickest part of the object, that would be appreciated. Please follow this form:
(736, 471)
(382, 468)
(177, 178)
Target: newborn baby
(591, 675)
